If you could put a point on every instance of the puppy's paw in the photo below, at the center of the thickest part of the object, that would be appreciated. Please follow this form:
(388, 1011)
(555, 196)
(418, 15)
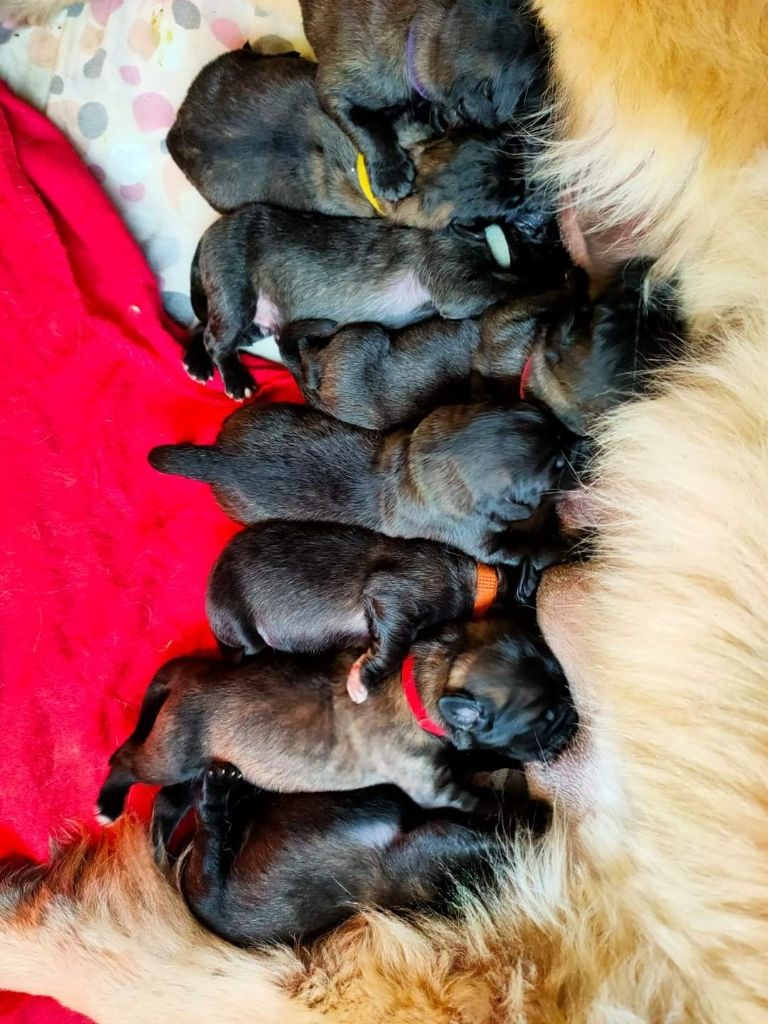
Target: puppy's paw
(220, 773)
(393, 180)
(238, 382)
(198, 364)
(356, 688)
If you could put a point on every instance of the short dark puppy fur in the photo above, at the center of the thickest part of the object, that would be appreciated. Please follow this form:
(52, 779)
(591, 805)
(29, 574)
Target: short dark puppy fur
(288, 724)
(230, 140)
(266, 867)
(261, 267)
(481, 478)
(378, 378)
(311, 587)
(474, 60)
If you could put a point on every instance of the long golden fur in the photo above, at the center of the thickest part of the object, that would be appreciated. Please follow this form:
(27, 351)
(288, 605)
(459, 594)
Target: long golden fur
(645, 903)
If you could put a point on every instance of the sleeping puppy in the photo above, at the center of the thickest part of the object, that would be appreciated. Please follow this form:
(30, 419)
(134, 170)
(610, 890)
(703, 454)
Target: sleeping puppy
(265, 867)
(230, 140)
(287, 722)
(481, 478)
(378, 378)
(594, 355)
(261, 267)
(348, 588)
(474, 60)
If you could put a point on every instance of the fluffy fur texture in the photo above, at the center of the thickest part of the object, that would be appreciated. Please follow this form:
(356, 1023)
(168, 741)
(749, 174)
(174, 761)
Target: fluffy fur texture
(646, 901)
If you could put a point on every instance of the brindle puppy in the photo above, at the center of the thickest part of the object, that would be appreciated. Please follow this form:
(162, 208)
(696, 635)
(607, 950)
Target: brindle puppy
(230, 140)
(347, 588)
(261, 267)
(266, 867)
(481, 478)
(287, 722)
(474, 60)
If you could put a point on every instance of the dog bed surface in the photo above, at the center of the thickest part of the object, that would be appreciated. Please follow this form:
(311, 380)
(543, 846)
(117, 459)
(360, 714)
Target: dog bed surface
(104, 561)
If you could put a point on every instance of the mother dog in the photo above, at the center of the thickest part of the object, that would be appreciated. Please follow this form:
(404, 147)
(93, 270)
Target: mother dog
(646, 899)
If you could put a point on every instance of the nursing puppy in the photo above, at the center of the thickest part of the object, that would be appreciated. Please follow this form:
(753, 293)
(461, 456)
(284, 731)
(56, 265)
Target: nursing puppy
(230, 140)
(288, 724)
(348, 588)
(261, 267)
(378, 378)
(265, 867)
(480, 478)
(473, 60)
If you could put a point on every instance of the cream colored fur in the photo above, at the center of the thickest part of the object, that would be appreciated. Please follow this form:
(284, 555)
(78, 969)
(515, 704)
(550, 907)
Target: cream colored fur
(646, 902)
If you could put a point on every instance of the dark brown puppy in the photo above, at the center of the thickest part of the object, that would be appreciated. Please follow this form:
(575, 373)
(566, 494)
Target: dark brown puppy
(265, 867)
(378, 378)
(261, 267)
(475, 60)
(310, 587)
(480, 478)
(591, 356)
(230, 140)
(288, 724)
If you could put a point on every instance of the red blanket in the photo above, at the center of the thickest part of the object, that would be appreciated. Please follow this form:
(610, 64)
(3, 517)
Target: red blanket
(104, 561)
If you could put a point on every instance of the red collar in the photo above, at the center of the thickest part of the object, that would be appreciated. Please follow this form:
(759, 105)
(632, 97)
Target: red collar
(415, 703)
(525, 376)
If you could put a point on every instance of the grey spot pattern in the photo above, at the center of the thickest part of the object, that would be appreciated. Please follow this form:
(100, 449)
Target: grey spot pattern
(57, 85)
(92, 119)
(163, 251)
(5, 34)
(271, 45)
(186, 14)
(178, 307)
(260, 12)
(163, 145)
(74, 9)
(93, 67)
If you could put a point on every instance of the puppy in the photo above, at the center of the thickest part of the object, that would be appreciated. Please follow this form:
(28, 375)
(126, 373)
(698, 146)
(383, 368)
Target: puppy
(377, 378)
(230, 140)
(592, 356)
(289, 726)
(472, 59)
(480, 478)
(348, 587)
(261, 267)
(264, 867)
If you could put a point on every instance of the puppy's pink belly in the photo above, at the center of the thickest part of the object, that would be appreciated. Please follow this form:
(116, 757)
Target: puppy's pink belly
(268, 317)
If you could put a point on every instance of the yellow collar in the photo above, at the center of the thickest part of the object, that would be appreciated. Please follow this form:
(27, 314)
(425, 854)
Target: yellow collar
(365, 184)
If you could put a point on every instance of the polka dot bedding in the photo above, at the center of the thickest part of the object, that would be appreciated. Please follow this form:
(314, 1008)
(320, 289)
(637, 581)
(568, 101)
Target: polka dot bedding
(111, 75)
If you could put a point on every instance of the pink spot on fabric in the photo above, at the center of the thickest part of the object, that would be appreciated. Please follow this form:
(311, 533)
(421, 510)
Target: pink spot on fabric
(152, 111)
(130, 74)
(101, 10)
(228, 32)
(133, 193)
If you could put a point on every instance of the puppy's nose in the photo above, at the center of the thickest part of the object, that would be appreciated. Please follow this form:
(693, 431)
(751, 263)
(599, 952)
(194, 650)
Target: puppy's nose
(560, 724)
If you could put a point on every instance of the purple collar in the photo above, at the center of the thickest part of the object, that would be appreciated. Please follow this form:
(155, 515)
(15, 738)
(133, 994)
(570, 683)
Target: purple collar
(410, 65)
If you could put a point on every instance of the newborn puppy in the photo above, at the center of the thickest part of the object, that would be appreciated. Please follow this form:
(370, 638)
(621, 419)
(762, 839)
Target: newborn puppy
(473, 59)
(261, 267)
(265, 867)
(378, 378)
(230, 140)
(288, 724)
(481, 478)
(347, 588)
(595, 355)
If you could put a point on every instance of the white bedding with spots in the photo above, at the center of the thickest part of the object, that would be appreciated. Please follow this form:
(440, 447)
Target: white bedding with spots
(111, 74)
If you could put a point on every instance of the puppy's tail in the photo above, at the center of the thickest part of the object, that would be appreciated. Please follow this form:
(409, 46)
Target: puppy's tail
(195, 461)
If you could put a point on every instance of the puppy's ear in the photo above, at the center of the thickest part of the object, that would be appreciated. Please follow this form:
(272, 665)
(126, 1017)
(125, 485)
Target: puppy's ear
(462, 711)
(301, 335)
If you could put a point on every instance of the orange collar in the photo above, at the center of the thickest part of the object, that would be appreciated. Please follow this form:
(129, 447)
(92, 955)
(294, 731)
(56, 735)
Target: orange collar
(415, 703)
(486, 589)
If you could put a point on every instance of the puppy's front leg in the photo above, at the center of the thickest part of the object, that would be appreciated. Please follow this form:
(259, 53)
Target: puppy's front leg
(393, 622)
(390, 170)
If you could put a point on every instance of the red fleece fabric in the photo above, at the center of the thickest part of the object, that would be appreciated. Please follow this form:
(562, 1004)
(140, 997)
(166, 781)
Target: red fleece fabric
(104, 561)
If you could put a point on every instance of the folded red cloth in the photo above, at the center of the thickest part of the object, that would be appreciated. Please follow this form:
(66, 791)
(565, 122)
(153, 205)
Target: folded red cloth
(104, 561)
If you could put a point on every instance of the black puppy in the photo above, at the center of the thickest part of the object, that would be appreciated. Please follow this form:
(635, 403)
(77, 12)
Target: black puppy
(473, 59)
(261, 267)
(347, 588)
(265, 867)
(480, 478)
(378, 378)
(288, 723)
(230, 140)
